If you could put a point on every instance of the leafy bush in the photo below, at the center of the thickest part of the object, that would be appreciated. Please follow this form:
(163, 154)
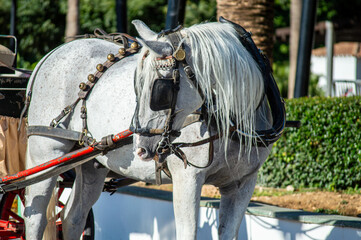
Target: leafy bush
(324, 153)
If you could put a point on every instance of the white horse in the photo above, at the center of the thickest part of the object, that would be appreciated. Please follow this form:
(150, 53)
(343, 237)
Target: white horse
(110, 108)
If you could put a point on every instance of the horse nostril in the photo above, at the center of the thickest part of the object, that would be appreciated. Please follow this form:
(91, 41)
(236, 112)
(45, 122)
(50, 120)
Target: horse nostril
(141, 152)
(144, 154)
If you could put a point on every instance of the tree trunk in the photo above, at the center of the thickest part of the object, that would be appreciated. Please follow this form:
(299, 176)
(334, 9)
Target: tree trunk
(256, 16)
(295, 14)
(72, 20)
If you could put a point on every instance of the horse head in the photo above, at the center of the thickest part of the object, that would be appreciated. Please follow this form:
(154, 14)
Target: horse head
(165, 93)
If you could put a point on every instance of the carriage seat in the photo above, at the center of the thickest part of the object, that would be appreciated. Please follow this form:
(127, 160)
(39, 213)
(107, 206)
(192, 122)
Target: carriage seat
(7, 57)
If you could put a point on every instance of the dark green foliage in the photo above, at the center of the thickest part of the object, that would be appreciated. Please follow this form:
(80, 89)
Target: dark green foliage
(324, 153)
(40, 26)
(41, 23)
(97, 14)
(281, 19)
(153, 13)
(198, 11)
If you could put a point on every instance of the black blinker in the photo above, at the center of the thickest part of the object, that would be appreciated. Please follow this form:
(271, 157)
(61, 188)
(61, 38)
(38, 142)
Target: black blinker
(163, 92)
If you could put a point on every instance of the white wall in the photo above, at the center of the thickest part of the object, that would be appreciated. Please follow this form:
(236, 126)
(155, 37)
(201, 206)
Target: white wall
(344, 68)
(123, 216)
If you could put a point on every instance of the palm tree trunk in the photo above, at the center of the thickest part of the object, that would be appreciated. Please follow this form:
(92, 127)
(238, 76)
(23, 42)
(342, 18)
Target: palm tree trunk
(295, 14)
(256, 16)
(72, 20)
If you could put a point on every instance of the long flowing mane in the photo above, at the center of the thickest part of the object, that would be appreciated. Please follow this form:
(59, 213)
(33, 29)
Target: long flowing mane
(228, 75)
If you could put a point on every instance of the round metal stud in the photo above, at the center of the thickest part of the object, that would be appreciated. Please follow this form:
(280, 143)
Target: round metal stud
(111, 57)
(180, 54)
(82, 86)
(100, 67)
(134, 45)
(91, 78)
(121, 51)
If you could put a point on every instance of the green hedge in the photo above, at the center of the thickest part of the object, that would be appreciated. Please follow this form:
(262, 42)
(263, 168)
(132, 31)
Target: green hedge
(324, 153)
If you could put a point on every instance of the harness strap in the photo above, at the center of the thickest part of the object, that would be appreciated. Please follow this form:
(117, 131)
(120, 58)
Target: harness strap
(68, 109)
(92, 79)
(295, 124)
(83, 137)
(163, 166)
(27, 72)
(180, 154)
(119, 38)
(53, 132)
(175, 38)
(159, 167)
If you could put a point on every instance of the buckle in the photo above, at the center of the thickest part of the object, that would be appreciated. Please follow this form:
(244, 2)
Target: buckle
(54, 123)
(188, 70)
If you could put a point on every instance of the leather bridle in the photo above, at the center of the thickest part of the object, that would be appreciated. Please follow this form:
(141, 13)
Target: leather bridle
(165, 145)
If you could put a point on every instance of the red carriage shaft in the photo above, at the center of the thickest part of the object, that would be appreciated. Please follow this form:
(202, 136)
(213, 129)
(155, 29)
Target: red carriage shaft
(70, 156)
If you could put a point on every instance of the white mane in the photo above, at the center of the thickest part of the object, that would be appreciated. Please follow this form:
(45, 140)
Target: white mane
(224, 68)
(226, 73)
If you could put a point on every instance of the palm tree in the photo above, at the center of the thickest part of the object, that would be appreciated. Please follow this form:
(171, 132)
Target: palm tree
(256, 16)
(72, 20)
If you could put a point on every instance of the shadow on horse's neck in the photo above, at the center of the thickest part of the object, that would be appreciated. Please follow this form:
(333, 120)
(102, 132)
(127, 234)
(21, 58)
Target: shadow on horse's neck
(263, 116)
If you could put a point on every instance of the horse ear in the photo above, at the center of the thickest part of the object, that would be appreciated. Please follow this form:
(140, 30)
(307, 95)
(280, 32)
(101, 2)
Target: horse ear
(161, 49)
(144, 31)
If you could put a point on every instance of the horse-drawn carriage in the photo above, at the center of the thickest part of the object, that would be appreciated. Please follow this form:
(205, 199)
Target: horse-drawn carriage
(13, 141)
(208, 82)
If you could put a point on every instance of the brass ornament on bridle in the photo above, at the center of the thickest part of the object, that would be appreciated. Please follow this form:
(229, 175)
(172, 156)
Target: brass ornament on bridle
(179, 54)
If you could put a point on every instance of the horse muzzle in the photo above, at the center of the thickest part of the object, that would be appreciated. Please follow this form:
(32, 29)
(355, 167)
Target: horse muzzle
(146, 146)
